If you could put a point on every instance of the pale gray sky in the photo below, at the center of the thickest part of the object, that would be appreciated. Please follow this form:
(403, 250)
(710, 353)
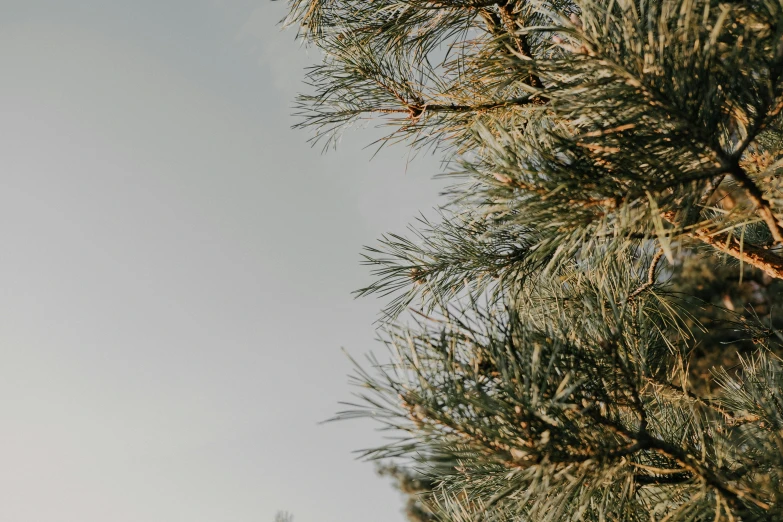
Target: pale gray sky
(175, 270)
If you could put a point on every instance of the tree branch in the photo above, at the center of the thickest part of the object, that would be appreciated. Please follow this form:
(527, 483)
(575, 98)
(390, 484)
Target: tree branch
(766, 261)
(650, 276)
(680, 478)
(416, 110)
(688, 462)
(757, 197)
(510, 23)
(712, 478)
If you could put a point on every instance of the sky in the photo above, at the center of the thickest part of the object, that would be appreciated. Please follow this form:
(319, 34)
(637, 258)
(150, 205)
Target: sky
(176, 268)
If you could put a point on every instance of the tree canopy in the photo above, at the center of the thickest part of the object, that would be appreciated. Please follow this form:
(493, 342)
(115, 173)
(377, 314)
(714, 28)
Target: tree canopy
(615, 221)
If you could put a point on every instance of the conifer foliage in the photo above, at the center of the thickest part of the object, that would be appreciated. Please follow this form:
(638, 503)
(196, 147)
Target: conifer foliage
(609, 158)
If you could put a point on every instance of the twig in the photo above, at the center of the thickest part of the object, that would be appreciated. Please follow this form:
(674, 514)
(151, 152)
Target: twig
(650, 276)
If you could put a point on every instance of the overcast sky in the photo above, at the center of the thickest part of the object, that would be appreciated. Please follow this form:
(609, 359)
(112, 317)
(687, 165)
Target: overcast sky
(176, 267)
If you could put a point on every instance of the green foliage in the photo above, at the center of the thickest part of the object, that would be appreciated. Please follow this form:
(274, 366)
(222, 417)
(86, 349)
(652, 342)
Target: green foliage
(543, 413)
(596, 320)
(460, 255)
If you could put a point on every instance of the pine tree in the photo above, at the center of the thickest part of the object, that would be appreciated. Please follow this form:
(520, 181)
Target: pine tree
(615, 222)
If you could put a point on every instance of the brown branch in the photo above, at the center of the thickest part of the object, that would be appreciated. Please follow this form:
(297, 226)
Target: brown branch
(766, 261)
(757, 197)
(416, 110)
(692, 464)
(523, 46)
(481, 107)
(650, 276)
(688, 462)
(680, 478)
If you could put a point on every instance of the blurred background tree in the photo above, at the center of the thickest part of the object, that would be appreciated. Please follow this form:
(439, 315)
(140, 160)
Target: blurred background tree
(284, 516)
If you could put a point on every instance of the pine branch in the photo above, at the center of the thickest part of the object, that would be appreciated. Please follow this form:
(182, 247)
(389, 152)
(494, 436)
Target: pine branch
(756, 196)
(758, 257)
(521, 40)
(710, 476)
(653, 480)
(650, 276)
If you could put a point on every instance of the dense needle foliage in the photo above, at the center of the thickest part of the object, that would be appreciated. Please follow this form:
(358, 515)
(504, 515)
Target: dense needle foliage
(595, 315)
